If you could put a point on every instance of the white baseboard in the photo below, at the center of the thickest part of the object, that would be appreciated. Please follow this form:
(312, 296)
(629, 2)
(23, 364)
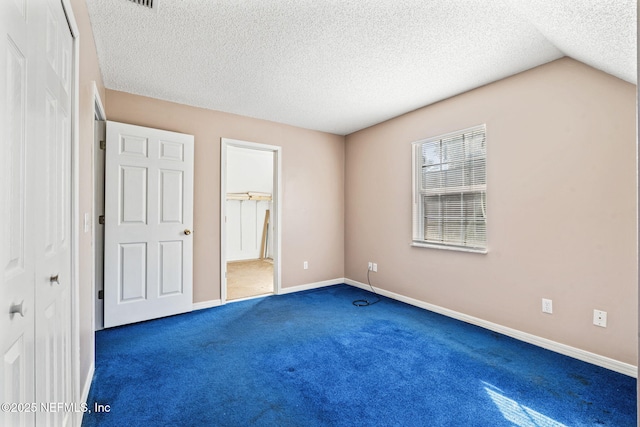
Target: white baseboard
(85, 391)
(87, 383)
(314, 285)
(216, 302)
(206, 304)
(305, 287)
(576, 353)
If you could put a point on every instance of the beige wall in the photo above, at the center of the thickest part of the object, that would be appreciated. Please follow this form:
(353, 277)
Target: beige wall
(561, 207)
(313, 187)
(89, 72)
(561, 154)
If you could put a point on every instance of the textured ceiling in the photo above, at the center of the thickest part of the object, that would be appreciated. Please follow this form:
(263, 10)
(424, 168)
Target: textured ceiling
(343, 65)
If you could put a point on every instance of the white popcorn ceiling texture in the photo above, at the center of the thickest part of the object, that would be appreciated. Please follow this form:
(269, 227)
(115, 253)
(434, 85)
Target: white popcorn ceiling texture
(342, 65)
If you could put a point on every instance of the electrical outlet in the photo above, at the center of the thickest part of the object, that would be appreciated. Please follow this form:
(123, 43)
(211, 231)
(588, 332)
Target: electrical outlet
(375, 267)
(305, 265)
(547, 306)
(600, 318)
(370, 266)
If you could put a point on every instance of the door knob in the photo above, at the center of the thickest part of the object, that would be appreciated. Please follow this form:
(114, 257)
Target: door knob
(54, 279)
(187, 232)
(17, 309)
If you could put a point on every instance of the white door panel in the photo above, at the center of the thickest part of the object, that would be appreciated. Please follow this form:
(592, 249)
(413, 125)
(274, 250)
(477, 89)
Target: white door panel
(133, 195)
(53, 206)
(35, 208)
(171, 198)
(148, 222)
(171, 267)
(132, 284)
(17, 113)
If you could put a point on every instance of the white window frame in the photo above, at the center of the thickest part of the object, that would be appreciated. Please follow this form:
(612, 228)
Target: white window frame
(418, 192)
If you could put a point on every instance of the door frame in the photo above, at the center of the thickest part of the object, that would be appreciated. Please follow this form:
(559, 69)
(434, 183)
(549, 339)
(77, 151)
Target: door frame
(77, 393)
(98, 114)
(276, 217)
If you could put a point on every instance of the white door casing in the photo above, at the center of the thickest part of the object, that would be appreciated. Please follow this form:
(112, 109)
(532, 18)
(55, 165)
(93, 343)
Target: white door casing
(99, 128)
(275, 217)
(148, 224)
(36, 87)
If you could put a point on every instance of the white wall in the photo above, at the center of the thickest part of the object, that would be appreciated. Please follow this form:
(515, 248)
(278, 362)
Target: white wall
(249, 170)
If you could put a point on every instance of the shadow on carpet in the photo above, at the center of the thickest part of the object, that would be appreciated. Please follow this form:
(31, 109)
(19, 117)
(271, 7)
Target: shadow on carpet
(313, 359)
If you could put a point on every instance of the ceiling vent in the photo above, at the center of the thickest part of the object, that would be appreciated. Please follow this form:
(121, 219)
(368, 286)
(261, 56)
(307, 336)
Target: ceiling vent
(146, 3)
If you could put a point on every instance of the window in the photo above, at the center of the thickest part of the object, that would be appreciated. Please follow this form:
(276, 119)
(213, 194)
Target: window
(450, 191)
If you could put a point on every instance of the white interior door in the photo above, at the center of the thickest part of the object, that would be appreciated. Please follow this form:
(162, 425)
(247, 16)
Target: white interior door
(53, 221)
(35, 198)
(148, 224)
(16, 247)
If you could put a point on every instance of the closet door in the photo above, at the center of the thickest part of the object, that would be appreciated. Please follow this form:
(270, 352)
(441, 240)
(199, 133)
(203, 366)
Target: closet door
(53, 205)
(35, 211)
(18, 115)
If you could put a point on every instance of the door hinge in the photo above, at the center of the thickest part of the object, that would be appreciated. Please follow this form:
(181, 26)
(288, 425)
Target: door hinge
(103, 145)
(100, 294)
(101, 220)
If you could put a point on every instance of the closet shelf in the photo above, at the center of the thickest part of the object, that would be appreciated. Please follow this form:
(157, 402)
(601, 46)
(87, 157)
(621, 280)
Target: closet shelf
(250, 195)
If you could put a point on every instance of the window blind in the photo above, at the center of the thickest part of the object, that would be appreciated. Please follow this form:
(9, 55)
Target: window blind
(450, 199)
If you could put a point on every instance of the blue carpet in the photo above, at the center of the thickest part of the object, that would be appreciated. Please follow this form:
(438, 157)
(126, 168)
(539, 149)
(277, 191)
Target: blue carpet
(313, 359)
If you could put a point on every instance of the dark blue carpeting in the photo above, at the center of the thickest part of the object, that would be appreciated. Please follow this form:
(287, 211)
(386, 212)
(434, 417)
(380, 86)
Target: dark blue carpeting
(313, 359)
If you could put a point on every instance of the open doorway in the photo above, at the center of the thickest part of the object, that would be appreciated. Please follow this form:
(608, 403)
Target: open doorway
(249, 189)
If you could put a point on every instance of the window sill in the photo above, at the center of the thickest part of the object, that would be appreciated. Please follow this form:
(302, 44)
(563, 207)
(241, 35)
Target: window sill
(449, 248)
